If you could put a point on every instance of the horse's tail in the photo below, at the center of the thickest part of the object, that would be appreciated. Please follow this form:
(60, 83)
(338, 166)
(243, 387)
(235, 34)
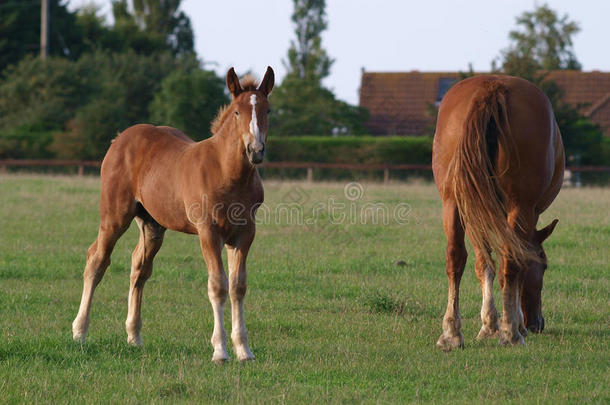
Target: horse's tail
(472, 177)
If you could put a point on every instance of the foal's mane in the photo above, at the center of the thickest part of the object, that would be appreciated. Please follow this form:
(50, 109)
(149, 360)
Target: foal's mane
(248, 83)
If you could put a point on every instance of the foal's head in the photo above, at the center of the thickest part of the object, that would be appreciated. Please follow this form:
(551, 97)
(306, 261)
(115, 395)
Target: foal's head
(531, 299)
(250, 110)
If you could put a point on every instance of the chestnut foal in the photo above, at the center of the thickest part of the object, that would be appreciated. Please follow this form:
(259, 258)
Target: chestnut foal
(211, 188)
(498, 163)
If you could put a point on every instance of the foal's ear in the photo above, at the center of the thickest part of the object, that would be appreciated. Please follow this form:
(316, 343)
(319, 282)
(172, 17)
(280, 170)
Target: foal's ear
(233, 83)
(267, 84)
(545, 232)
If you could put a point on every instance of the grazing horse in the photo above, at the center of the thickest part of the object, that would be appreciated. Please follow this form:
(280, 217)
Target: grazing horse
(498, 163)
(211, 188)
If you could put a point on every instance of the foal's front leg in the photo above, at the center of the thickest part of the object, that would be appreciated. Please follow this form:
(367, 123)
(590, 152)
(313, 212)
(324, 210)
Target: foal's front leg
(236, 256)
(218, 288)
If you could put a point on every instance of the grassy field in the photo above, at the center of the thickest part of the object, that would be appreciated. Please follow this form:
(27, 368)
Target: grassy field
(331, 317)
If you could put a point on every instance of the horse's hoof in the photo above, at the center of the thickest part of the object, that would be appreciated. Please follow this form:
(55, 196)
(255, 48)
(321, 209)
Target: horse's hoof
(79, 337)
(486, 332)
(220, 361)
(243, 353)
(220, 357)
(448, 343)
(79, 331)
(135, 341)
(509, 339)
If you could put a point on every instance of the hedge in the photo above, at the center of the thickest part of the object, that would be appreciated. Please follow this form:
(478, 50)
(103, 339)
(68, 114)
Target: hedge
(350, 149)
(379, 149)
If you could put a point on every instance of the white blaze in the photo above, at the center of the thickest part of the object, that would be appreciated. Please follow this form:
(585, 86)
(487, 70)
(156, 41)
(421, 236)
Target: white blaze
(254, 130)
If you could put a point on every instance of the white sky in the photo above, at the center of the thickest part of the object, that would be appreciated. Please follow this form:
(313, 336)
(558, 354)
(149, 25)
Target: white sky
(381, 35)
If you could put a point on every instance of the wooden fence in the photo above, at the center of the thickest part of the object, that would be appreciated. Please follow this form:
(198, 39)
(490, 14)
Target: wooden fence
(309, 166)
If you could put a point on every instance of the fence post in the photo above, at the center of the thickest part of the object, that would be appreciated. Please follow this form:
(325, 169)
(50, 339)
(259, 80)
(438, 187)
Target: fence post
(309, 174)
(3, 169)
(386, 175)
(81, 170)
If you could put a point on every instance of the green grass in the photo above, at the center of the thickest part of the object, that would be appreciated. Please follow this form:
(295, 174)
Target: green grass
(331, 317)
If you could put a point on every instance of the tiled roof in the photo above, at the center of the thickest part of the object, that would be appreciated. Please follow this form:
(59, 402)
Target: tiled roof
(399, 102)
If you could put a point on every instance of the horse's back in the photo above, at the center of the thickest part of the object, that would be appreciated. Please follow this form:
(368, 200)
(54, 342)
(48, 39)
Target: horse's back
(140, 144)
(142, 162)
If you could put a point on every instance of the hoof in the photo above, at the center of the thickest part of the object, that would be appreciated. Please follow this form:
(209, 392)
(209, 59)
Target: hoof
(220, 357)
(79, 331)
(135, 341)
(244, 354)
(523, 331)
(487, 332)
(509, 339)
(79, 337)
(448, 343)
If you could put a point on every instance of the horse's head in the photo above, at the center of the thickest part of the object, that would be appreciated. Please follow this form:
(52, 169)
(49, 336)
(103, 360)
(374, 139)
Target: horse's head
(250, 109)
(531, 289)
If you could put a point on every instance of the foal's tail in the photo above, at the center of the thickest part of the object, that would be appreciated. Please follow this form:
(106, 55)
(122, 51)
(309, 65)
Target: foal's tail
(473, 177)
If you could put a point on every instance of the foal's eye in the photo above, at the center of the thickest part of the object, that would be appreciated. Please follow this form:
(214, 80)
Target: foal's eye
(236, 112)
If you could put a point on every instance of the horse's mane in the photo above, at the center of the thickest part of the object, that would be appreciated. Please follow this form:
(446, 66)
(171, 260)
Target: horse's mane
(248, 83)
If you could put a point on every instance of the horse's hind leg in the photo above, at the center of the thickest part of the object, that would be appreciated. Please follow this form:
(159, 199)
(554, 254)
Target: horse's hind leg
(456, 260)
(117, 209)
(151, 238)
(98, 260)
(489, 313)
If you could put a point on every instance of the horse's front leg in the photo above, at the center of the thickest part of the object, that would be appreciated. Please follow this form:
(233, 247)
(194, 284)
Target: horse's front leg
(236, 255)
(218, 288)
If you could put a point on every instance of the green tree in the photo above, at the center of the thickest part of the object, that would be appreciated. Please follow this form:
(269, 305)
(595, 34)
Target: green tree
(189, 101)
(158, 21)
(122, 89)
(301, 103)
(306, 57)
(542, 43)
(20, 30)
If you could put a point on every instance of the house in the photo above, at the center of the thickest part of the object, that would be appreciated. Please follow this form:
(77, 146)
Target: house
(403, 103)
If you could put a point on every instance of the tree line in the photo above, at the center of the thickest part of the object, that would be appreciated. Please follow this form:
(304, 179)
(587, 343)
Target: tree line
(102, 78)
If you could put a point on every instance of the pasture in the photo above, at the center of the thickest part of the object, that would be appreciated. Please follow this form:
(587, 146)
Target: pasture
(331, 315)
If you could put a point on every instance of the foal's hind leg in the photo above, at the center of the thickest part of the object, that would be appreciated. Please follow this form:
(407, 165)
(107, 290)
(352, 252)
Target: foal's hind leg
(489, 313)
(151, 238)
(117, 209)
(236, 256)
(98, 260)
(456, 260)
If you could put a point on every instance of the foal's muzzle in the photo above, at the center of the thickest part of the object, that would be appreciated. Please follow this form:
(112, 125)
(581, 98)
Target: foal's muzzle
(256, 153)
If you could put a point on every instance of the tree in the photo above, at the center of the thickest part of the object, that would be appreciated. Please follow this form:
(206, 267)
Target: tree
(20, 30)
(189, 101)
(120, 92)
(160, 20)
(301, 103)
(544, 43)
(306, 58)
